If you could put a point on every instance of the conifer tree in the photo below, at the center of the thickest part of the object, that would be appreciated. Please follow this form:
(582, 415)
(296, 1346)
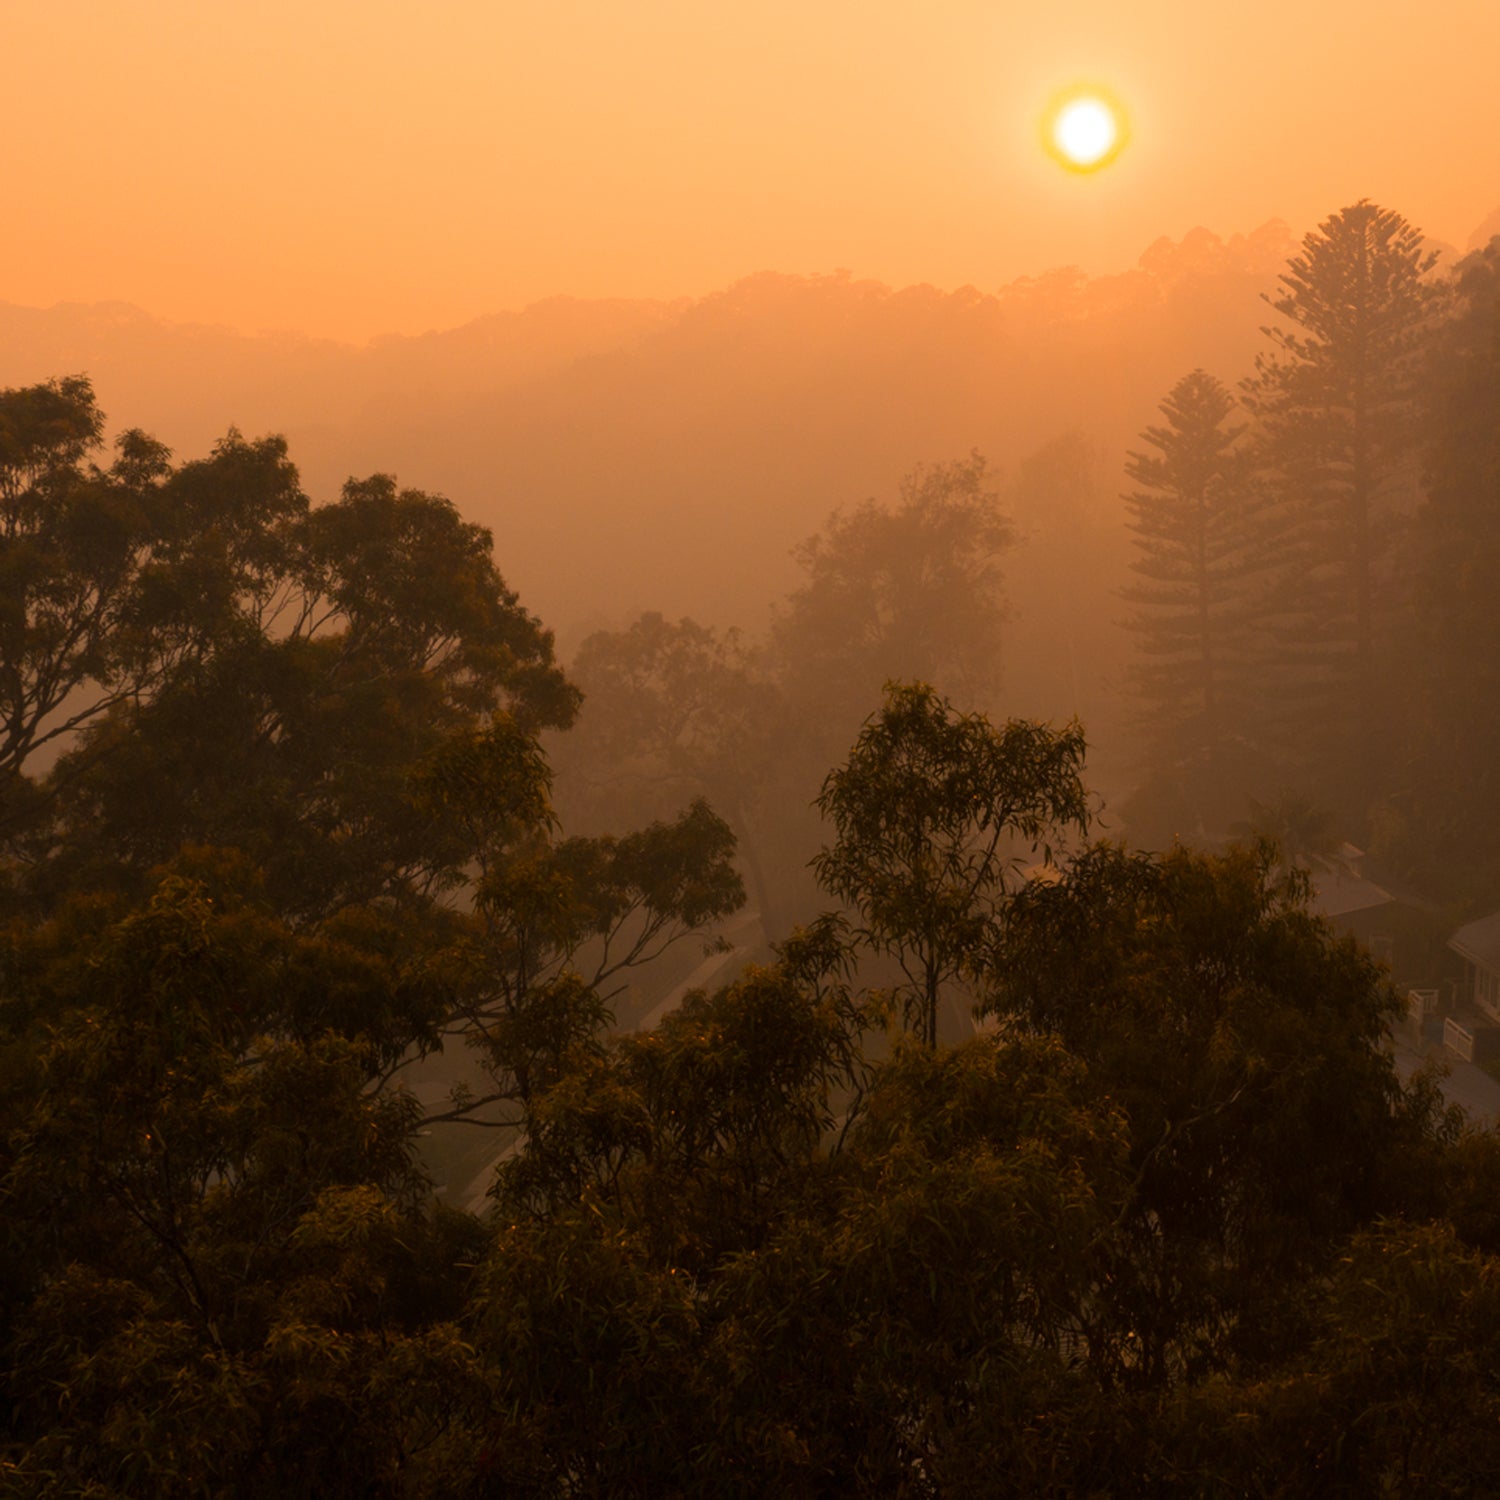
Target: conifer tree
(1198, 556)
(1334, 401)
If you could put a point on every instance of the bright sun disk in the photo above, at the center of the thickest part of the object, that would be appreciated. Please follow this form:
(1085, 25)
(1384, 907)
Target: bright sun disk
(1084, 130)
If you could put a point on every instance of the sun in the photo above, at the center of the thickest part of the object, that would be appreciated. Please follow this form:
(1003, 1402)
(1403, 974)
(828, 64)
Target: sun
(1084, 129)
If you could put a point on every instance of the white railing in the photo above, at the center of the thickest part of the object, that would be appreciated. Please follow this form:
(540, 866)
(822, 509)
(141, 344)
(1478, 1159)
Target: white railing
(1458, 1038)
(1420, 1004)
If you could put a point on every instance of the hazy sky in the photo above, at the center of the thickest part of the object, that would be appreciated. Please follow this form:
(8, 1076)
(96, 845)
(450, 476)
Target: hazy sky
(351, 167)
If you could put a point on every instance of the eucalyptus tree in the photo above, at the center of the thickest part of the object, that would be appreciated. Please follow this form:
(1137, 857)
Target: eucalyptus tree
(1247, 1047)
(303, 836)
(931, 812)
(84, 622)
(897, 592)
(337, 647)
(672, 711)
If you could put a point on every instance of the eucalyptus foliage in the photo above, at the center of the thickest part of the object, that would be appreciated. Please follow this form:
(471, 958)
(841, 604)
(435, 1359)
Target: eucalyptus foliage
(933, 813)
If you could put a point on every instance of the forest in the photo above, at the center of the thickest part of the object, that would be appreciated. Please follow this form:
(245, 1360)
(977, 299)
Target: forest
(758, 1061)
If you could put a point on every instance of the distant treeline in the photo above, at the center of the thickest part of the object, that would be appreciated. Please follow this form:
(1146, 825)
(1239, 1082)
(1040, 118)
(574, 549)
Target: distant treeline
(621, 451)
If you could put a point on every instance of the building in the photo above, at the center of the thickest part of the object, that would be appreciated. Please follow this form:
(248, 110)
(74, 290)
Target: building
(1478, 945)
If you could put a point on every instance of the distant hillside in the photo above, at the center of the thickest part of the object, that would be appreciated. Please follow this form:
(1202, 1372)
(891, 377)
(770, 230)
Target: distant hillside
(638, 455)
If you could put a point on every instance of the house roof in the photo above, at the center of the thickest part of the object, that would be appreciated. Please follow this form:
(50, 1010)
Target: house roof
(1339, 892)
(1479, 942)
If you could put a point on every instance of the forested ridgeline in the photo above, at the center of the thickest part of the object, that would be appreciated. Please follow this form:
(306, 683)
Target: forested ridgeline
(278, 829)
(621, 448)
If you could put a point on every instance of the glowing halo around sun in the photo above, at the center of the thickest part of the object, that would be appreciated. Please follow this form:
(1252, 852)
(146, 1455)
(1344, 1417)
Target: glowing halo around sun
(1084, 128)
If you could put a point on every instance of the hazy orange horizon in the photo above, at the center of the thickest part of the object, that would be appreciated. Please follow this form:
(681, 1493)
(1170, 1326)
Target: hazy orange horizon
(345, 170)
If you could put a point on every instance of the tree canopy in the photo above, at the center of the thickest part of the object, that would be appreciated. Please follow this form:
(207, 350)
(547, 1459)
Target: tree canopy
(931, 813)
(898, 592)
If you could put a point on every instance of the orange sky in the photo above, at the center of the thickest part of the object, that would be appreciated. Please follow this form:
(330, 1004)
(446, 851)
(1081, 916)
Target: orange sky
(352, 167)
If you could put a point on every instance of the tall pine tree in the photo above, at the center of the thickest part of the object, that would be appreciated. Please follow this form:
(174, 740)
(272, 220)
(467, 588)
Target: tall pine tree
(1197, 553)
(1335, 406)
